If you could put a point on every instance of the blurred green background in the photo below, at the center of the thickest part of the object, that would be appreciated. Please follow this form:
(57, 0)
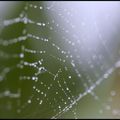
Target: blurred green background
(59, 83)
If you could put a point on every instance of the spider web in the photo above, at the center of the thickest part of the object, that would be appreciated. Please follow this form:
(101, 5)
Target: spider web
(54, 54)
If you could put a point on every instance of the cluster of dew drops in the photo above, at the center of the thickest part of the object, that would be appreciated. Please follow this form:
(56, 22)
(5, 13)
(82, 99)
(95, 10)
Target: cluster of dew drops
(41, 69)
